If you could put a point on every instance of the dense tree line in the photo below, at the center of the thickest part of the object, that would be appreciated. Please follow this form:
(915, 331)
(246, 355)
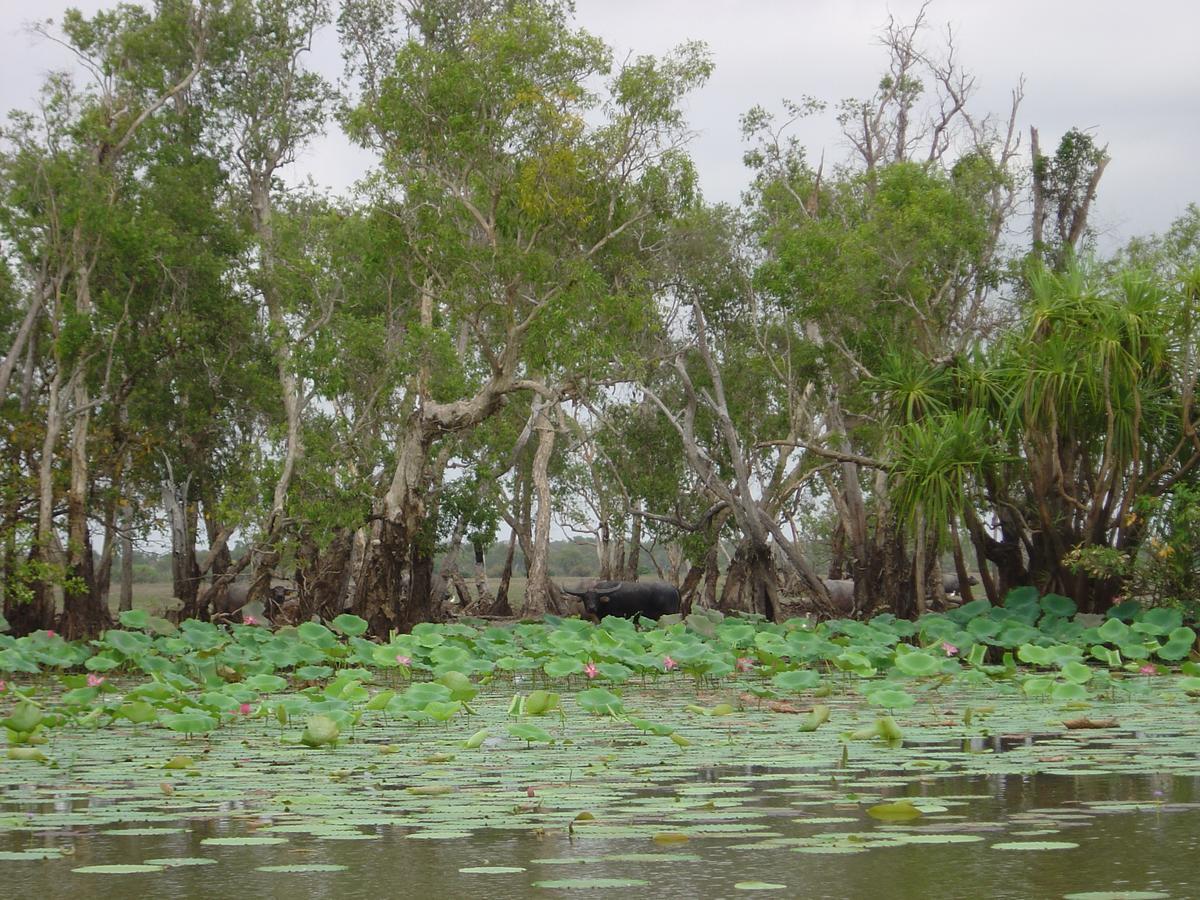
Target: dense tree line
(528, 315)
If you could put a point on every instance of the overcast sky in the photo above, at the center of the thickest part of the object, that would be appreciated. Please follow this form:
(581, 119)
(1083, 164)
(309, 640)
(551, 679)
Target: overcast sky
(1129, 73)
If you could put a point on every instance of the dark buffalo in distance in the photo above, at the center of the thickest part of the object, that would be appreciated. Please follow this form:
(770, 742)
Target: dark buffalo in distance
(233, 600)
(629, 599)
(950, 583)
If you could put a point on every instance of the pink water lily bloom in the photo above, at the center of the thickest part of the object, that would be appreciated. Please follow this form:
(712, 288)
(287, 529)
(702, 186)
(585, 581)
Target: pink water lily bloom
(590, 670)
(249, 620)
(669, 664)
(1148, 669)
(244, 709)
(95, 680)
(51, 633)
(950, 649)
(402, 660)
(745, 664)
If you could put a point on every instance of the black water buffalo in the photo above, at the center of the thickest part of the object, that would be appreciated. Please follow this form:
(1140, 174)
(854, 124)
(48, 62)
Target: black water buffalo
(233, 600)
(629, 599)
(950, 583)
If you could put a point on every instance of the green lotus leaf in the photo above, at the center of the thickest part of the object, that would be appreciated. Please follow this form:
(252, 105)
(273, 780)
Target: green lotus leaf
(526, 731)
(320, 731)
(442, 710)
(600, 702)
(475, 741)
(416, 696)
(1068, 691)
(561, 667)
(1077, 673)
(459, 685)
(128, 644)
(349, 625)
(817, 717)
(266, 684)
(890, 698)
(316, 634)
(797, 681)
(101, 663)
(190, 722)
(538, 703)
(137, 711)
(899, 811)
(1058, 605)
(1158, 621)
(25, 717)
(918, 663)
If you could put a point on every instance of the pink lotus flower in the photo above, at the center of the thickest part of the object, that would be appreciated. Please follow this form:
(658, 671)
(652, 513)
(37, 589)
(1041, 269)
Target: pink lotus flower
(590, 670)
(950, 649)
(745, 664)
(3, 685)
(669, 664)
(244, 709)
(402, 660)
(51, 633)
(94, 680)
(249, 619)
(1148, 669)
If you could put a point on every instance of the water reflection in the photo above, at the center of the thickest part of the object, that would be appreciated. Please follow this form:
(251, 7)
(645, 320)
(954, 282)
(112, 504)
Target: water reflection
(1146, 844)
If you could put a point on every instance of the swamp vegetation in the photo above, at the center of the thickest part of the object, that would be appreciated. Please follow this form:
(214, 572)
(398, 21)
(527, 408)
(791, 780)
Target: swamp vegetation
(526, 319)
(696, 758)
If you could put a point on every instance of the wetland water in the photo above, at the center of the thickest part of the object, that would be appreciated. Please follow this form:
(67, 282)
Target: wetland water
(1008, 806)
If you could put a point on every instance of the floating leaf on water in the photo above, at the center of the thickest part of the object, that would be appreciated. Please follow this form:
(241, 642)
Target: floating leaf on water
(492, 870)
(1035, 845)
(1117, 895)
(126, 869)
(937, 838)
(172, 862)
(30, 854)
(567, 884)
(27, 754)
(142, 832)
(246, 841)
(900, 811)
(670, 837)
(299, 868)
(759, 886)
(439, 835)
(653, 857)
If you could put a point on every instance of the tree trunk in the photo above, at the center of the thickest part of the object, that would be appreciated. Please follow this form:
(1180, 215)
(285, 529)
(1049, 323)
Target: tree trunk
(482, 595)
(541, 596)
(322, 576)
(506, 577)
(604, 551)
(39, 612)
(688, 590)
(126, 602)
(107, 551)
(919, 562)
(185, 581)
(752, 583)
(960, 562)
(82, 615)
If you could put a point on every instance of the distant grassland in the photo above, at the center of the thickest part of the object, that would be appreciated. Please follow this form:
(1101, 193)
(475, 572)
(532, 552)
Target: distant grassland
(153, 596)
